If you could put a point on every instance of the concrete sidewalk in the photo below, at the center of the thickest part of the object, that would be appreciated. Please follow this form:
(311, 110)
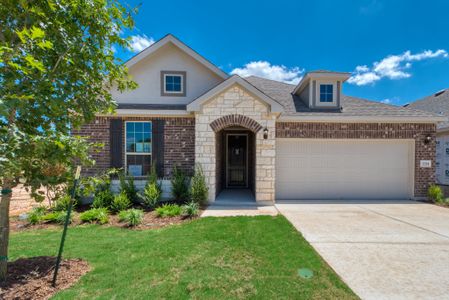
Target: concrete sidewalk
(382, 250)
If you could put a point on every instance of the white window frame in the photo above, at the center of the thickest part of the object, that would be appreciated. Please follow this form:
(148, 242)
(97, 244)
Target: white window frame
(182, 83)
(318, 94)
(137, 153)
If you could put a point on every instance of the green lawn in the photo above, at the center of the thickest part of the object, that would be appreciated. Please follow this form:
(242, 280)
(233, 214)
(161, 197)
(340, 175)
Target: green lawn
(240, 257)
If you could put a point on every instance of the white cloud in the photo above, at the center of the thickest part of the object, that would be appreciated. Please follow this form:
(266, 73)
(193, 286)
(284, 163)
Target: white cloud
(266, 70)
(392, 67)
(140, 42)
(386, 101)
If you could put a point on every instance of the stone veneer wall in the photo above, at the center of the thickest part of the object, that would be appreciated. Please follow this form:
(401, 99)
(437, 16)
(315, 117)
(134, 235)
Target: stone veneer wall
(423, 176)
(179, 142)
(236, 100)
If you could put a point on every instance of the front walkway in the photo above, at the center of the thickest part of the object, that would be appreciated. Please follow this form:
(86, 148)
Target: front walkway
(382, 250)
(237, 202)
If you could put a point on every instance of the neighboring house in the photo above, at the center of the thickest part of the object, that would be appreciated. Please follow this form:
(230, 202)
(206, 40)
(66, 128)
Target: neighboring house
(282, 141)
(438, 103)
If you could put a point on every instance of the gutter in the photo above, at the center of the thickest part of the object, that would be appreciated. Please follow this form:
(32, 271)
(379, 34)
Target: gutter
(148, 113)
(361, 119)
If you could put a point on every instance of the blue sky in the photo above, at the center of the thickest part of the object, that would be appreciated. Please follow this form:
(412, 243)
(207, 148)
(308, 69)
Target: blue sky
(397, 50)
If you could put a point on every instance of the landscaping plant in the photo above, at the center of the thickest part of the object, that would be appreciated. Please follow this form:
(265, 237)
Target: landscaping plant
(103, 198)
(128, 187)
(151, 195)
(132, 217)
(120, 202)
(435, 193)
(152, 192)
(168, 210)
(56, 217)
(35, 216)
(95, 215)
(62, 204)
(191, 209)
(198, 187)
(57, 70)
(179, 186)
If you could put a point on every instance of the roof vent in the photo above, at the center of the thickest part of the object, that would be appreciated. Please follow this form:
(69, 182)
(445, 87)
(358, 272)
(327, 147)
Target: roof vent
(439, 93)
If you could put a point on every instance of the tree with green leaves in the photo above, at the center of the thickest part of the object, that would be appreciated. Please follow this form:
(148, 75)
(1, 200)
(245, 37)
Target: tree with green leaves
(57, 68)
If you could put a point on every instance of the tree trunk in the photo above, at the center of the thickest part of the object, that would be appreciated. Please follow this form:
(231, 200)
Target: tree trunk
(4, 226)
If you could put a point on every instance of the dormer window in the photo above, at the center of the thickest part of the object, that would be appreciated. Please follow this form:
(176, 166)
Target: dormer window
(326, 93)
(173, 83)
(321, 89)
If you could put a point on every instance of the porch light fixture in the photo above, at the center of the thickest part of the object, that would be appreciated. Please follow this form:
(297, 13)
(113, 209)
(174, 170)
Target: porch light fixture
(427, 139)
(265, 133)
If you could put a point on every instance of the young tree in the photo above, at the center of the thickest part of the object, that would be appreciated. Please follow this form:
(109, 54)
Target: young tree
(57, 68)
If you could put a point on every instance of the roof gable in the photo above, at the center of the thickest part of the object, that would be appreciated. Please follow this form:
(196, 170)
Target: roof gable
(183, 47)
(235, 79)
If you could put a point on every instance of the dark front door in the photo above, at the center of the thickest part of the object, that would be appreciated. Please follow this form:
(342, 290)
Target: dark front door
(237, 160)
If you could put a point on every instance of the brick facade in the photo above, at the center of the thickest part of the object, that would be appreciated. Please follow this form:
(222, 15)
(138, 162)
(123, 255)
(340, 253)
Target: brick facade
(417, 132)
(179, 142)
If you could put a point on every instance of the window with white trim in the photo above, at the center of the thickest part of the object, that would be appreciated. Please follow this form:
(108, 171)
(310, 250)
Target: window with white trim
(326, 93)
(173, 83)
(138, 148)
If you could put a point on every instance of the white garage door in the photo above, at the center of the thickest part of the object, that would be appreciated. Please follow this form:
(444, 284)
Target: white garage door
(344, 169)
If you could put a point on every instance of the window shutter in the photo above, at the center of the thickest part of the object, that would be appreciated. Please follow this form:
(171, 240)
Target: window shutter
(158, 146)
(116, 143)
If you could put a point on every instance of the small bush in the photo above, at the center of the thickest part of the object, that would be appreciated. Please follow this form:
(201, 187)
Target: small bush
(132, 217)
(62, 204)
(179, 186)
(198, 188)
(153, 189)
(56, 217)
(168, 210)
(435, 193)
(103, 198)
(127, 186)
(191, 209)
(95, 215)
(35, 216)
(151, 195)
(120, 202)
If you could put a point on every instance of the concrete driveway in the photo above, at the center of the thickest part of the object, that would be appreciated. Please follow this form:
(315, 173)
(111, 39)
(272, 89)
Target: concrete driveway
(382, 250)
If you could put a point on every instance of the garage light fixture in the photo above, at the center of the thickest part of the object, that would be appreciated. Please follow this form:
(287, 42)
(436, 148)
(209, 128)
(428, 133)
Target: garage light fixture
(265, 133)
(427, 139)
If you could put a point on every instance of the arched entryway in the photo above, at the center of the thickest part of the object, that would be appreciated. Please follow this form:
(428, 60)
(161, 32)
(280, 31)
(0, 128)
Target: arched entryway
(235, 154)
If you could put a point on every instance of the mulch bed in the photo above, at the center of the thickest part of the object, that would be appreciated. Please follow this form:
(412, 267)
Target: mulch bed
(30, 278)
(150, 221)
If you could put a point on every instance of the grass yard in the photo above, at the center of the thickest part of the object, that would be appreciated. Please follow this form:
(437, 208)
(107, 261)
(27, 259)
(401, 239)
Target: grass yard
(238, 257)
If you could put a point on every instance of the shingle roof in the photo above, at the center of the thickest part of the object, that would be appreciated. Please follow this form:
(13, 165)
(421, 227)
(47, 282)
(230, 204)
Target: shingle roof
(437, 103)
(352, 106)
(151, 106)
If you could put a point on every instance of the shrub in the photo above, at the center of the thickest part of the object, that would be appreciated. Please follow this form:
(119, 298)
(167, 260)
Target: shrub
(152, 177)
(120, 202)
(151, 195)
(168, 210)
(56, 217)
(127, 186)
(62, 204)
(95, 215)
(179, 186)
(191, 209)
(103, 198)
(153, 189)
(435, 193)
(132, 217)
(35, 216)
(198, 188)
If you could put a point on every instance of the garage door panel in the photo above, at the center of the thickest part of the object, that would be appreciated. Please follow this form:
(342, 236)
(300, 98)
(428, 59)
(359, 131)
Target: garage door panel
(344, 169)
